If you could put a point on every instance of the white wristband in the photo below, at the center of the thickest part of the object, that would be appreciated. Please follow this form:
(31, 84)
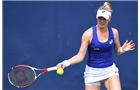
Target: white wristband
(66, 63)
(121, 50)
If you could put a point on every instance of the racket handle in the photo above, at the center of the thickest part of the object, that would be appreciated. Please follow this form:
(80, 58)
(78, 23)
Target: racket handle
(51, 69)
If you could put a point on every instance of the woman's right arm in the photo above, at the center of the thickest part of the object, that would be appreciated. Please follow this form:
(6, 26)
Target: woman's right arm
(85, 40)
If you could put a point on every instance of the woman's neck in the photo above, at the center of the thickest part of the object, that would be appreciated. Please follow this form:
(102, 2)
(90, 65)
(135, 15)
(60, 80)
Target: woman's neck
(104, 29)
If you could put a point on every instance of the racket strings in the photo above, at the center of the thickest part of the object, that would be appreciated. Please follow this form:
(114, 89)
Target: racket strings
(21, 76)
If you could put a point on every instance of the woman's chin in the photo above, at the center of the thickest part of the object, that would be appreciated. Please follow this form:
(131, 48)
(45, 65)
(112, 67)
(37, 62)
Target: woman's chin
(102, 26)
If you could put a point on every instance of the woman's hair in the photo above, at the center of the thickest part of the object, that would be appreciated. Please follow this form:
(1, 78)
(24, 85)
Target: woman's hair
(106, 6)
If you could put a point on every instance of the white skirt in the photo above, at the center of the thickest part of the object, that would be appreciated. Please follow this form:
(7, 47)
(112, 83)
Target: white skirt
(98, 74)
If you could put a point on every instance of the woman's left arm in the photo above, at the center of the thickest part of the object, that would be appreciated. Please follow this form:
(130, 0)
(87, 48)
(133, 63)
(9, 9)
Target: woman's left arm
(127, 46)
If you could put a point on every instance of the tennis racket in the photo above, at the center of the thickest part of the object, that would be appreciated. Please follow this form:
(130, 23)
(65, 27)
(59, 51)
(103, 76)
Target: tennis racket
(22, 76)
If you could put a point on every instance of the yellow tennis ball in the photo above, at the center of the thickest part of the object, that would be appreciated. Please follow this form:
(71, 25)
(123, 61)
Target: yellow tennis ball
(60, 71)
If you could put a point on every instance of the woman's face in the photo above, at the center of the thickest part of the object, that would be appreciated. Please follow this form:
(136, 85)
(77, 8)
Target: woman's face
(102, 22)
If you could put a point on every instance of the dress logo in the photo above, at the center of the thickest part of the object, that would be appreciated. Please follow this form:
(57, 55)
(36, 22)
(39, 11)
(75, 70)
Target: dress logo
(111, 41)
(96, 49)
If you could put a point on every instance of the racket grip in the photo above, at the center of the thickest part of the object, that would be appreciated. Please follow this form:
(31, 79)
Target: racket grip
(51, 69)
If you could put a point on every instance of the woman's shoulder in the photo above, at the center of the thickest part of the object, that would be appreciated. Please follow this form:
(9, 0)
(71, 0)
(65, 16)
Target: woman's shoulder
(114, 30)
(88, 33)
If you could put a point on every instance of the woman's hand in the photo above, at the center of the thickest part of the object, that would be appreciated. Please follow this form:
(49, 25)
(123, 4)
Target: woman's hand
(61, 65)
(127, 46)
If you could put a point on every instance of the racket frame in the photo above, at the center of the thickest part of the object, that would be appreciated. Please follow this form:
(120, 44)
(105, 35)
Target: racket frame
(45, 70)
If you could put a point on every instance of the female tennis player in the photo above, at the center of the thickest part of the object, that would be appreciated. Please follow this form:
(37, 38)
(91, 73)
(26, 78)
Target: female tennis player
(99, 41)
